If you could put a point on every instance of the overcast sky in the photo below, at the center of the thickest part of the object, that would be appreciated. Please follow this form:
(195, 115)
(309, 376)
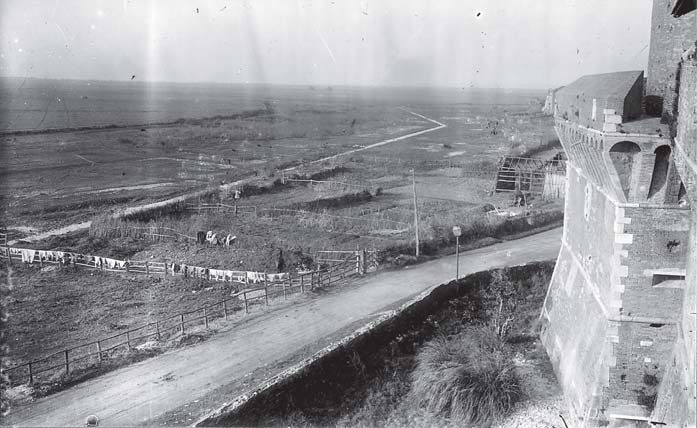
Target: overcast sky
(462, 43)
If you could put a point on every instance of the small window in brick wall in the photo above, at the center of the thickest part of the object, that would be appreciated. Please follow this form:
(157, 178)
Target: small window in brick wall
(587, 202)
(668, 281)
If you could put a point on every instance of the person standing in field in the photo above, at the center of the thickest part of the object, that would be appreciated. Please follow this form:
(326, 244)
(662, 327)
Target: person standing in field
(280, 263)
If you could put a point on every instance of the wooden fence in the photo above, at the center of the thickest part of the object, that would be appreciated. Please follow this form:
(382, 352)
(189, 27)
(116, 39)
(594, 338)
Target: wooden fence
(332, 184)
(14, 255)
(365, 260)
(220, 207)
(3, 239)
(87, 354)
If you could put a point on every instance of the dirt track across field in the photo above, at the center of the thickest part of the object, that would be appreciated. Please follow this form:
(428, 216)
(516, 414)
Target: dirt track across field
(132, 210)
(189, 381)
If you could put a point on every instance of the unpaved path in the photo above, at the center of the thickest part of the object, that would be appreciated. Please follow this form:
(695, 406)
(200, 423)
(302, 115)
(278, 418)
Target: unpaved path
(181, 378)
(187, 196)
(382, 143)
(54, 232)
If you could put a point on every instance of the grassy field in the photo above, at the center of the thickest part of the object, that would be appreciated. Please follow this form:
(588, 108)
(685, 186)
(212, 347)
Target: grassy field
(58, 178)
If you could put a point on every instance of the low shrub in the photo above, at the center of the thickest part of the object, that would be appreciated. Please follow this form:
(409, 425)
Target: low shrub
(468, 377)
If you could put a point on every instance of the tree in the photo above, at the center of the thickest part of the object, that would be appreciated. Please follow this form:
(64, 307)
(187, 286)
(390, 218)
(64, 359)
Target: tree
(505, 292)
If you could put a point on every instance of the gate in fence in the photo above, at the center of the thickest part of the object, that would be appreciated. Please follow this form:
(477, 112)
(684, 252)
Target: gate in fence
(365, 260)
(3, 239)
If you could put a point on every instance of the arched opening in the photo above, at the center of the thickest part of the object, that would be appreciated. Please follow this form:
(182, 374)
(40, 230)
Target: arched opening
(660, 170)
(623, 155)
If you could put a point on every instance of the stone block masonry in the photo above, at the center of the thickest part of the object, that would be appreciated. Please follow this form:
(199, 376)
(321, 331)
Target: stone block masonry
(627, 272)
(611, 280)
(670, 37)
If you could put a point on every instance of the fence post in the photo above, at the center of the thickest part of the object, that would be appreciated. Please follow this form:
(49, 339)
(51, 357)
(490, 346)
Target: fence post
(99, 350)
(165, 267)
(302, 283)
(364, 267)
(67, 363)
(266, 289)
(157, 329)
(284, 289)
(9, 256)
(225, 309)
(31, 375)
(181, 323)
(128, 262)
(147, 269)
(246, 307)
(128, 339)
(205, 317)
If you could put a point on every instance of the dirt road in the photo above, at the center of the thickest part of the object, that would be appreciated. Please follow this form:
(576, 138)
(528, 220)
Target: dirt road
(55, 232)
(183, 377)
(438, 126)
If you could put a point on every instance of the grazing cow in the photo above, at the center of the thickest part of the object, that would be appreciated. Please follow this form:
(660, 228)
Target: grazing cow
(200, 237)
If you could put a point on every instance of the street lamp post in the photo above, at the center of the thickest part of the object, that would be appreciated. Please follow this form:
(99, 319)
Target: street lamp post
(457, 232)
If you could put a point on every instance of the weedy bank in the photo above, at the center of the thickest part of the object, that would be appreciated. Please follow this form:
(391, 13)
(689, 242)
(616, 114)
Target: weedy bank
(469, 355)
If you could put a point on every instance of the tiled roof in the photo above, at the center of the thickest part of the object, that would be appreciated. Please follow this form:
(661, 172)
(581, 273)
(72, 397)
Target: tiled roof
(606, 85)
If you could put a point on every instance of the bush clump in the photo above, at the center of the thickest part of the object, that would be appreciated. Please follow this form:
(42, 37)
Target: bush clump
(468, 377)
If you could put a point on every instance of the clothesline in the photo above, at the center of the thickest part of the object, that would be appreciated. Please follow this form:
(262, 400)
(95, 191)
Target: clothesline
(31, 256)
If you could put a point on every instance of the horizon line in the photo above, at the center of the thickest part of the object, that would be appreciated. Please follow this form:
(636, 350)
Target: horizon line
(321, 85)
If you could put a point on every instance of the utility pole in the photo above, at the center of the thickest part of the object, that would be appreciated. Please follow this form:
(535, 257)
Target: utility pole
(416, 213)
(457, 232)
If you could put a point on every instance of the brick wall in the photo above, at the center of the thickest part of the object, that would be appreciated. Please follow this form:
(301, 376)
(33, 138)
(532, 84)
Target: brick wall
(642, 353)
(590, 213)
(618, 368)
(687, 107)
(578, 299)
(658, 242)
(686, 162)
(669, 38)
(580, 361)
(675, 405)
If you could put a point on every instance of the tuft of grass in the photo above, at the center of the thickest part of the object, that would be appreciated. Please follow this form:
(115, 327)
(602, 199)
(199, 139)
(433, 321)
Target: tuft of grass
(467, 377)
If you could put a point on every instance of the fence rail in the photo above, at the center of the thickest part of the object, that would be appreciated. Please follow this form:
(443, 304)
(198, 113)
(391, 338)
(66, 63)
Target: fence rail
(331, 184)
(271, 285)
(220, 207)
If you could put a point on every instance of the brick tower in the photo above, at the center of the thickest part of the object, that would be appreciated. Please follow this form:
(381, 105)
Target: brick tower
(619, 317)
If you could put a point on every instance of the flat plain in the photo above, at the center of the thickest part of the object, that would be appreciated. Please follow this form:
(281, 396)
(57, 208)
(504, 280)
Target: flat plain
(89, 170)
